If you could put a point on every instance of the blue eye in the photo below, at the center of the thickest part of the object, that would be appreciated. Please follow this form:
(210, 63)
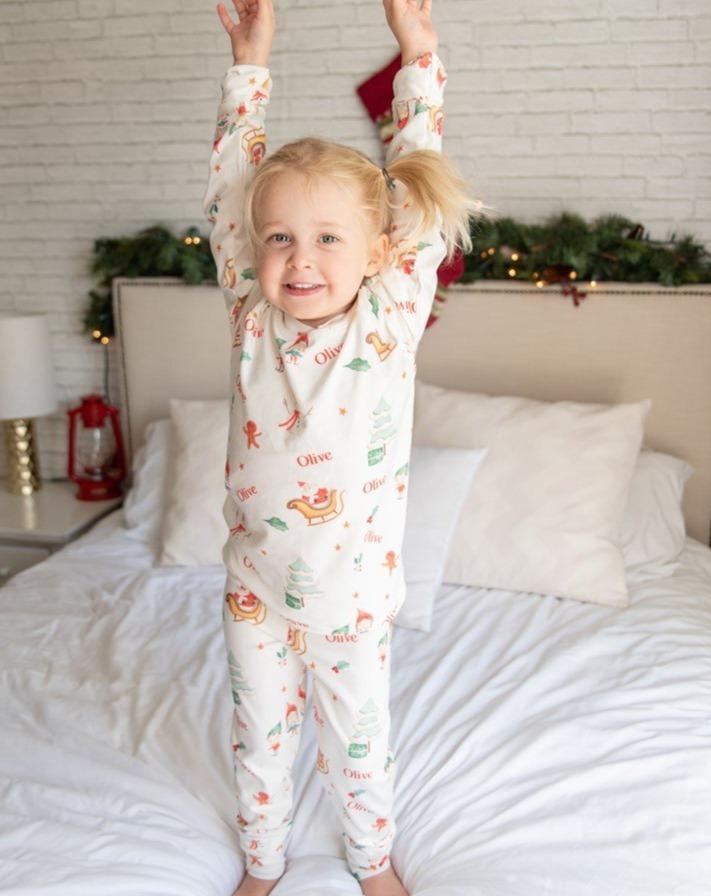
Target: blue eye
(331, 235)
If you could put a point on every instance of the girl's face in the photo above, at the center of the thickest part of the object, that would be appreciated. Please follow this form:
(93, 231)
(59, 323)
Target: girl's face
(316, 238)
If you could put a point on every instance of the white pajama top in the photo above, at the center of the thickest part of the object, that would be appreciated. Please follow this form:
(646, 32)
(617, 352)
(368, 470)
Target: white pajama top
(320, 428)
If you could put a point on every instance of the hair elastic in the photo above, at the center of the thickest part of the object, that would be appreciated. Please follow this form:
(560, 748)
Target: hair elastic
(388, 180)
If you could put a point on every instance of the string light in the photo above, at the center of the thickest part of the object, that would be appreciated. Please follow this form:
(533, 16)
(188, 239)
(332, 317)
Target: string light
(539, 281)
(192, 241)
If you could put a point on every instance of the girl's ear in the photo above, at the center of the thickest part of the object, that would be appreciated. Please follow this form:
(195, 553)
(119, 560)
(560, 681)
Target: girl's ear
(379, 251)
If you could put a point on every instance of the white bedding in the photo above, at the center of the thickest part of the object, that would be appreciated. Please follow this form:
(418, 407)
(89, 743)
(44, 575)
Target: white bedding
(544, 746)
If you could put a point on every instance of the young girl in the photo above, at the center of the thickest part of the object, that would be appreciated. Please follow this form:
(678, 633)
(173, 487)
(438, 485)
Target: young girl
(328, 266)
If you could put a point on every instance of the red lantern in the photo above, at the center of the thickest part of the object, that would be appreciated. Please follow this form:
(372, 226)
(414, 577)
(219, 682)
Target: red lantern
(96, 458)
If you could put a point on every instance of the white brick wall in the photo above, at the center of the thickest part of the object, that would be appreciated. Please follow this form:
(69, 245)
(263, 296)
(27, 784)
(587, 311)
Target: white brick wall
(108, 113)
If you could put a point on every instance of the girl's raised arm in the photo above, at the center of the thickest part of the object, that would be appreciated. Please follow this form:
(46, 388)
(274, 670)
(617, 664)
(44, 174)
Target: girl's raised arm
(418, 120)
(238, 147)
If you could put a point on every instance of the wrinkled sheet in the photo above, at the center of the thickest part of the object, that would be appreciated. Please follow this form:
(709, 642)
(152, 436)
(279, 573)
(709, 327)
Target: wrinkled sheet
(543, 746)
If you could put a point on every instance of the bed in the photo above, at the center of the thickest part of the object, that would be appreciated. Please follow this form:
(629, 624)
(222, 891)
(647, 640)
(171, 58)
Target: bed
(546, 746)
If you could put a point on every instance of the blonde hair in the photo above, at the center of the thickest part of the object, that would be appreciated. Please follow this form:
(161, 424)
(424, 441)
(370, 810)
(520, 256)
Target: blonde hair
(434, 184)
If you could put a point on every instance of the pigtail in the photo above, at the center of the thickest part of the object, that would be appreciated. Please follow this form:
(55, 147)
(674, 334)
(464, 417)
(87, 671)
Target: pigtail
(438, 192)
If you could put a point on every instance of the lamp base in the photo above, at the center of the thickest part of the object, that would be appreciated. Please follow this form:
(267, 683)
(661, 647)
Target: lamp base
(23, 475)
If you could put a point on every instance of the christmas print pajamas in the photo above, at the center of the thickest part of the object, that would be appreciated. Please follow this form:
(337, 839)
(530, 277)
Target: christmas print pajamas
(316, 478)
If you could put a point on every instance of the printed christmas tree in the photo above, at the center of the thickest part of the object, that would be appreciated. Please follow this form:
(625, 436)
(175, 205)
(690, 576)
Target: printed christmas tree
(382, 429)
(367, 727)
(300, 584)
(239, 683)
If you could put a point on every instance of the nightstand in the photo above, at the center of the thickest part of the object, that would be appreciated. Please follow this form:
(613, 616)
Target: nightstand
(33, 527)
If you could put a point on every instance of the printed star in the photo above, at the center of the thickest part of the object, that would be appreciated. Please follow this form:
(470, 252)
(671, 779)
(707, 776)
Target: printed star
(342, 411)
(260, 646)
(218, 168)
(262, 551)
(312, 665)
(241, 466)
(388, 309)
(337, 547)
(346, 525)
(232, 225)
(283, 689)
(355, 594)
(404, 374)
(334, 697)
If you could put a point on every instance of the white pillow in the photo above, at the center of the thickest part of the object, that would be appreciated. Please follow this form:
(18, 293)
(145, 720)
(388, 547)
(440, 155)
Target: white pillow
(653, 531)
(438, 483)
(144, 503)
(545, 510)
(194, 530)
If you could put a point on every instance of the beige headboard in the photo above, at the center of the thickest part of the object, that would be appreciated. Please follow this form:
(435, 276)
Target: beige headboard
(624, 342)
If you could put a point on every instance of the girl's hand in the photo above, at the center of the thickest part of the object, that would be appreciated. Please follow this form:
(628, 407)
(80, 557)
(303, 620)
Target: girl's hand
(412, 27)
(252, 37)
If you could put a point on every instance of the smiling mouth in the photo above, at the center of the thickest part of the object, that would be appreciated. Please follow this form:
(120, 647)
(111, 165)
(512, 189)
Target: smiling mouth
(302, 290)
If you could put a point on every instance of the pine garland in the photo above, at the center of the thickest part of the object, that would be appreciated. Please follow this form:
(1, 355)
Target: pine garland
(564, 249)
(612, 248)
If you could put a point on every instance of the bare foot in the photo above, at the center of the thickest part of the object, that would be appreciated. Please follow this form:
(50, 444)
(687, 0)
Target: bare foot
(387, 883)
(256, 886)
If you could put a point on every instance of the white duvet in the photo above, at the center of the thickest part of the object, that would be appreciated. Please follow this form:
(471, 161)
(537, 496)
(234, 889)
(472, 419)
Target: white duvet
(545, 747)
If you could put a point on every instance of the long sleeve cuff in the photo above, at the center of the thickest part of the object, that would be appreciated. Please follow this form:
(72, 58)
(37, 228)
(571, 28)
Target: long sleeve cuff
(245, 83)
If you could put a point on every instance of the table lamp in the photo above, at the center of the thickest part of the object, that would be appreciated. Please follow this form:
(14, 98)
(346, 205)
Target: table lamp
(26, 390)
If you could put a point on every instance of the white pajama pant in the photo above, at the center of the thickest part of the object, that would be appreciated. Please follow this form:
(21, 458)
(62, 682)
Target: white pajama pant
(268, 659)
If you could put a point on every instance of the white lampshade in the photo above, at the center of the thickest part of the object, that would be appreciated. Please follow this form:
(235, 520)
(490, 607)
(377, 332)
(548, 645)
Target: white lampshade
(26, 371)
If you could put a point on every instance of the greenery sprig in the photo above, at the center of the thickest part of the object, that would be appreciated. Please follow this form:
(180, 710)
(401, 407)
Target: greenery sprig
(153, 252)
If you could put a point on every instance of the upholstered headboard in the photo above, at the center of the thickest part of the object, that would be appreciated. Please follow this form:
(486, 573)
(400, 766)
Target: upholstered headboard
(622, 343)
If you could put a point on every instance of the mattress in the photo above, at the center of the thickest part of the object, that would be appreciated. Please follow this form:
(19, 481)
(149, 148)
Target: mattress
(544, 746)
